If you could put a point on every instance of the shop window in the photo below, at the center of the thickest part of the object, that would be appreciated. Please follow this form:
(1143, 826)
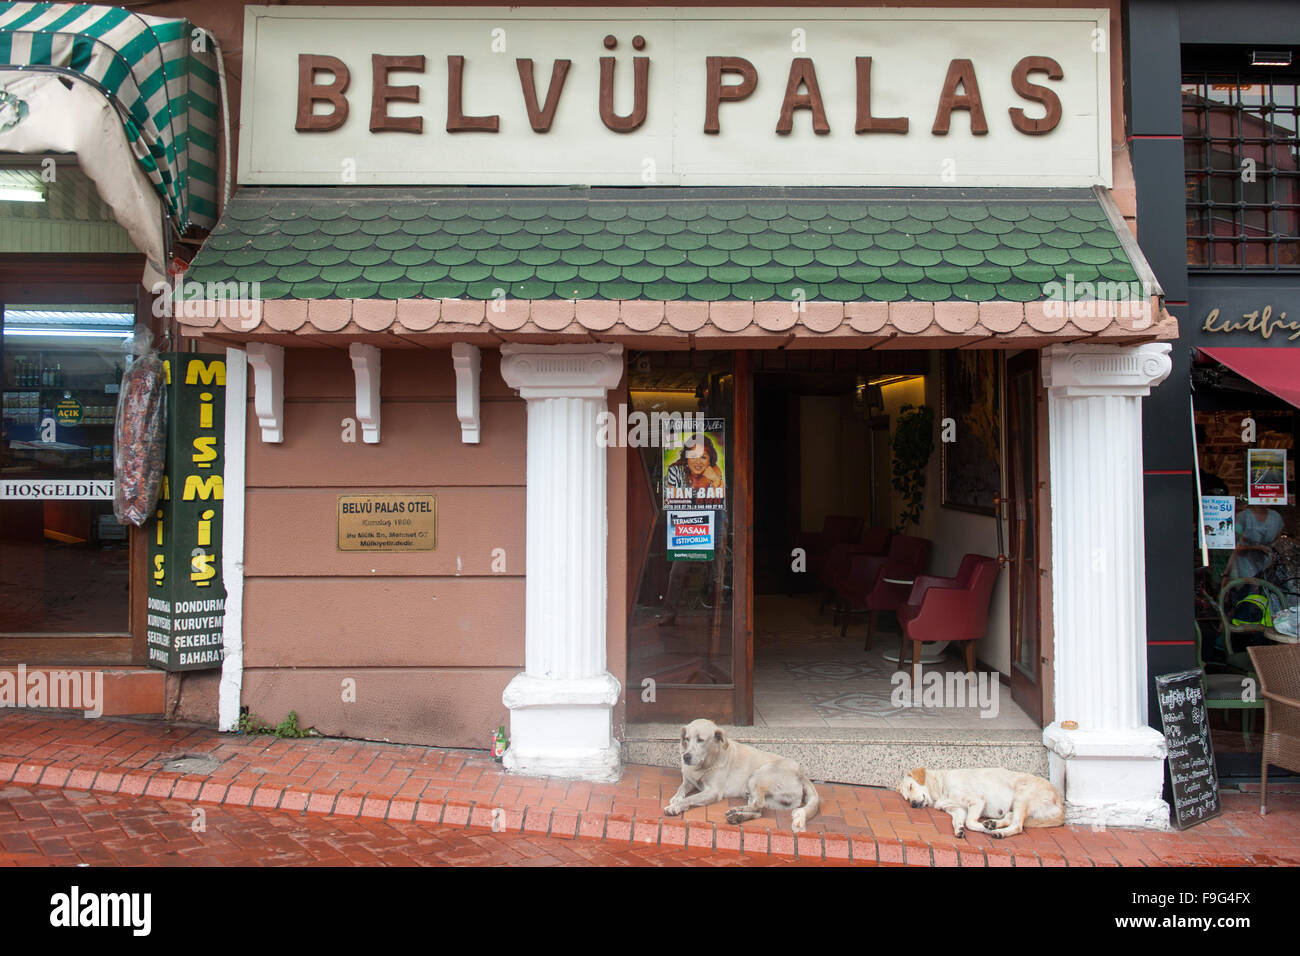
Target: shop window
(1246, 573)
(1242, 164)
(64, 559)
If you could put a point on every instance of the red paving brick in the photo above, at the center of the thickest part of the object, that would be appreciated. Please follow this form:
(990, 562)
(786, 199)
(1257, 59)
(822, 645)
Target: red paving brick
(358, 784)
(235, 836)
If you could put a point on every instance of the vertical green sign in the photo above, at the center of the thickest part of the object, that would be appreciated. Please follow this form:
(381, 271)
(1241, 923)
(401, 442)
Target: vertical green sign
(187, 598)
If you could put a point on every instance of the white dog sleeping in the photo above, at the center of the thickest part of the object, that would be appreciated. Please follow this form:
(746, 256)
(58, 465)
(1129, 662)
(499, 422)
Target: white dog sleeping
(998, 802)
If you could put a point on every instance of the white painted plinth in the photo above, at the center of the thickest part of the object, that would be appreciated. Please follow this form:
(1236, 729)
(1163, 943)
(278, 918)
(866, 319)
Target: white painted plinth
(1110, 768)
(1110, 777)
(561, 706)
(561, 728)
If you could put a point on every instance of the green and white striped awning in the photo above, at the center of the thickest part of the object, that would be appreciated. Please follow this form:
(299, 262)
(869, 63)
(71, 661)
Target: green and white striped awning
(161, 76)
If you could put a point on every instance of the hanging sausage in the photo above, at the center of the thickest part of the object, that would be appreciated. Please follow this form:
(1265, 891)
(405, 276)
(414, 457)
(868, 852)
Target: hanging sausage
(140, 436)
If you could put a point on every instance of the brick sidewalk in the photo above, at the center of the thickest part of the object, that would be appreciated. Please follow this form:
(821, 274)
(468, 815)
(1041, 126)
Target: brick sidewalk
(45, 827)
(464, 789)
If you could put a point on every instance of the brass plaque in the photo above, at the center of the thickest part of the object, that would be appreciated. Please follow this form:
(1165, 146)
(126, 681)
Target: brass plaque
(388, 522)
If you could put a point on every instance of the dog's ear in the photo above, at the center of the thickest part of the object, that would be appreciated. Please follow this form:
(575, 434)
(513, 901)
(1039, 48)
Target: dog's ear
(918, 775)
(720, 737)
(683, 733)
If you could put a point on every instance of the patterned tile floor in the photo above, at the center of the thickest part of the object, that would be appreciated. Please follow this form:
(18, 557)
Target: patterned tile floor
(806, 675)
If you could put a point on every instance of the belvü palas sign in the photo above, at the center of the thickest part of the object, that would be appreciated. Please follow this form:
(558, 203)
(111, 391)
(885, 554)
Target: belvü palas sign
(676, 96)
(187, 598)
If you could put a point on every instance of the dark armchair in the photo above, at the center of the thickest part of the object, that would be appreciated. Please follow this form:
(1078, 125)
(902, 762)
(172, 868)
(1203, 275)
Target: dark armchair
(949, 609)
(870, 587)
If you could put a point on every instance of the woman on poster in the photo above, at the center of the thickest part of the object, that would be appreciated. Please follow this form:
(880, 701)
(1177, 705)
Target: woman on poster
(696, 468)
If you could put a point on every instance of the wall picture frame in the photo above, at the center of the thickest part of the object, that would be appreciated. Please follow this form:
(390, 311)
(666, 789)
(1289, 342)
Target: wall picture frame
(970, 393)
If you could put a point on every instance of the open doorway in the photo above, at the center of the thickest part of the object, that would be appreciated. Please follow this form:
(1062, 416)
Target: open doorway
(838, 548)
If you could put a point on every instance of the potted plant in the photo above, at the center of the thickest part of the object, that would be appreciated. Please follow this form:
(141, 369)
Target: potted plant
(912, 444)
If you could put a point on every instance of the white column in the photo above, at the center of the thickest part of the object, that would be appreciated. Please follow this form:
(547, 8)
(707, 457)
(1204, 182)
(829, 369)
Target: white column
(1108, 762)
(561, 705)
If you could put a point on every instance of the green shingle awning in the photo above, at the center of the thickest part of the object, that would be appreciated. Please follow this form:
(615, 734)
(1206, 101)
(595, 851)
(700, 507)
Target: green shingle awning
(556, 249)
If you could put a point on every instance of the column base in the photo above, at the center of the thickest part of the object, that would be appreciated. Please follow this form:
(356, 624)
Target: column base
(1109, 777)
(562, 728)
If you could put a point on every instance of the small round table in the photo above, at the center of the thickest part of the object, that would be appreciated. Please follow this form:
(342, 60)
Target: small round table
(931, 651)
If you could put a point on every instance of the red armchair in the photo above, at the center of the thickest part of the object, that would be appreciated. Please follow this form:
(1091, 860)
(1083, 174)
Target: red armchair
(836, 567)
(949, 609)
(836, 529)
(866, 588)
(818, 545)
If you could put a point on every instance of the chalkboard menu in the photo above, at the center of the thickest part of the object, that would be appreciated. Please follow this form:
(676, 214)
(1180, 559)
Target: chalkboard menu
(1192, 780)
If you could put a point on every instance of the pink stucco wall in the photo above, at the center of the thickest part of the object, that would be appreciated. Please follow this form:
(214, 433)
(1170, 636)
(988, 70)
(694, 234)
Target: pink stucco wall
(430, 638)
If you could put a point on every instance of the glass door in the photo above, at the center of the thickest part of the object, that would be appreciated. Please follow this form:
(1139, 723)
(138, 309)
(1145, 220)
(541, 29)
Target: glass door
(688, 533)
(64, 559)
(1022, 526)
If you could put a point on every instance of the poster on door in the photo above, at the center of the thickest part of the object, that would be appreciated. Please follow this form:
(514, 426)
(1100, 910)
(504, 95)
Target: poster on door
(690, 535)
(1266, 474)
(1218, 521)
(694, 464)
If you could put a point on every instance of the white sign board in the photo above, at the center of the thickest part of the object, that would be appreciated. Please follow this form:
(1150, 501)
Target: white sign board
(55, 489)
(728, 96)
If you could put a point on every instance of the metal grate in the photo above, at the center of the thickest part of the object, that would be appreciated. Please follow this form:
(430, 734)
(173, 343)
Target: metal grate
(1242, 163)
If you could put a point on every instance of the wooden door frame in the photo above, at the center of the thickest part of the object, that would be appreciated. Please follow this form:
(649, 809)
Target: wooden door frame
(1023, 686)
(725, 703)
(742, 545)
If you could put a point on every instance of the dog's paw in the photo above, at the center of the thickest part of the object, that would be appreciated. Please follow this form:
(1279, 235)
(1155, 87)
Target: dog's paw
(735, 817)
(673, 809)
(995, 834)
(959, 833)
(799, 820)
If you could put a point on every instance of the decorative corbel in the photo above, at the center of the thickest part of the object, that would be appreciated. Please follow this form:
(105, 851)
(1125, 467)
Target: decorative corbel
(267, 362)
(365, 364)
(465, 359)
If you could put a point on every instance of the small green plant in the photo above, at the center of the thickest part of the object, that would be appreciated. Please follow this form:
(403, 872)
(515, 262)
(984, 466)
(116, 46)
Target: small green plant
(251, 724)
(913, 444)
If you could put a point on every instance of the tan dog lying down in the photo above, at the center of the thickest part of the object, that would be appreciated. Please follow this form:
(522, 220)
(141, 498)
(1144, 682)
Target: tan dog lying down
(716, 768)
(998, 802)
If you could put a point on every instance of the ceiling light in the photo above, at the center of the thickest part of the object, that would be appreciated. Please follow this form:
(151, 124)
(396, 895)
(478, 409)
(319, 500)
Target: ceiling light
(21, 194)
(1270, 57)
(892, 379)
(69, 333)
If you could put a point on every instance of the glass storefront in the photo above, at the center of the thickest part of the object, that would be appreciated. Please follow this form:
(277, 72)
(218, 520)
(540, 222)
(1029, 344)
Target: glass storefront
(1247, 594)
(681, 514)
(64, 559)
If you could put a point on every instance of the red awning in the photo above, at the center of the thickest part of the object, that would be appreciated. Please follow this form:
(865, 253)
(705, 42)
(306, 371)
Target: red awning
(1277, 370)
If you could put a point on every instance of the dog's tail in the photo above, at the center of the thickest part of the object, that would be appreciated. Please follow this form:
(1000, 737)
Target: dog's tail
(808, 809)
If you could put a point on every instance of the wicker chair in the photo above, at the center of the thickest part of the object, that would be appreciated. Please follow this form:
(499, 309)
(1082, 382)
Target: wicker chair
(1279, 684)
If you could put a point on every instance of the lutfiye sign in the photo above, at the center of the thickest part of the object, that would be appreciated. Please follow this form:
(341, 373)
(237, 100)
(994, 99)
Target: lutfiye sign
(676, 96)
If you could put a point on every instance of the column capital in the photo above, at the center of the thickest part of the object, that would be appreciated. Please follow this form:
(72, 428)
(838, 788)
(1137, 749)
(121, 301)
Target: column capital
(582, 370)
(1077, 371)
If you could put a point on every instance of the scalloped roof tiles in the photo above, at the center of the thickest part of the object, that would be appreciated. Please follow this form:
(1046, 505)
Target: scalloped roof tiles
(660, 245)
